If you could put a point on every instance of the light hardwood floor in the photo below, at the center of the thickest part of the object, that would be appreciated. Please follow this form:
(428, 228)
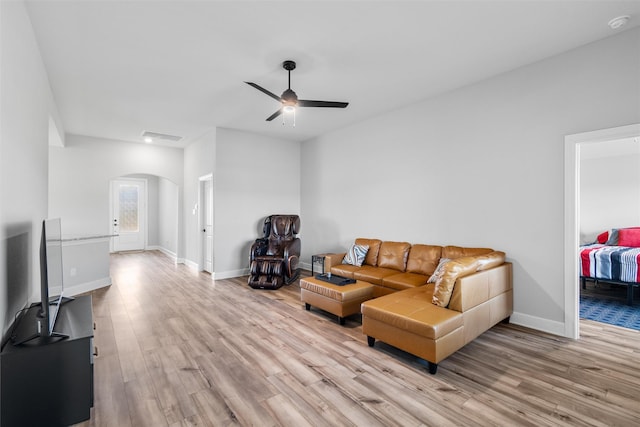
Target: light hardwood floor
(178, 349)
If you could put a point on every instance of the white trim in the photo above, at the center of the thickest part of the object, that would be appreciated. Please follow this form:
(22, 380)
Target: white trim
(191, 264)
(165, 251)
(201, 220)
(539, 323)
(305, 266)
(230, 274)
(87, 286)
(572, 216)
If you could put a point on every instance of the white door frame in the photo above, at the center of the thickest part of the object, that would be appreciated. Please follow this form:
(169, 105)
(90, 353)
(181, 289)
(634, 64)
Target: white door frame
(572, 145)
(143, 205)
(201, 221)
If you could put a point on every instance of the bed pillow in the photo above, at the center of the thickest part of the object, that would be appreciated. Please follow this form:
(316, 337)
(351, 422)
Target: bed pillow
(602, 238)
(613, 238)
(629, 237)
(355, 255)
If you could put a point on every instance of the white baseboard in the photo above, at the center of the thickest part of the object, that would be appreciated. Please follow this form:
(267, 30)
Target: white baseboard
(87, 287)
(191, 264)
(230, 274)
(305, 266)
(538, 323)
(165, 251)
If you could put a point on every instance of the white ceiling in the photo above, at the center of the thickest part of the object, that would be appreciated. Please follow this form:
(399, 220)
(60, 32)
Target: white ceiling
(118, 68)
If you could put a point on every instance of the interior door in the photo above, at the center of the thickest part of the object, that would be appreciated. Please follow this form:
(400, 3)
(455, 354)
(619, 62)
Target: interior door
(207, 225)
(128, 220)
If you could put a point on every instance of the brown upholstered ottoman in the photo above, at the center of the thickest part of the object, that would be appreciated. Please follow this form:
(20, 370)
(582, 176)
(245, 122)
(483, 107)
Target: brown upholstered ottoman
(342, 301)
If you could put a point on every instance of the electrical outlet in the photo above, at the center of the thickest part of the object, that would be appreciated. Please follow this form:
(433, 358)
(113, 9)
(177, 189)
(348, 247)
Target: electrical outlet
(73, 272)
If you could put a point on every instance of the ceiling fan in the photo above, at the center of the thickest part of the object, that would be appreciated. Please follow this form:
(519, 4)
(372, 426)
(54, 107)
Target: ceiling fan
(289, 99)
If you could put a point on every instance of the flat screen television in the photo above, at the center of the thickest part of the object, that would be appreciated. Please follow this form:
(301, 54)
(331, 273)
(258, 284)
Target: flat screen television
(51, 283)
(36, 325)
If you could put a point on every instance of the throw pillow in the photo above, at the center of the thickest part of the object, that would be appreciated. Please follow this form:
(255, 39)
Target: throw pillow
(613, 237)
(603, 237)
(355, 255)
(453, 270)
(629, 237)
(439, 270)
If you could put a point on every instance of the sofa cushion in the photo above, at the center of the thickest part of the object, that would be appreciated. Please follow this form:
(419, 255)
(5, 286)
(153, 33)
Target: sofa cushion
(490, 260)
(394, 255)
(374, 248)
(344, 270)
(423, 259)
(373, 275)
(411, 310)
(459, 252)
(405, 280)
(453, 269)
(355, 255)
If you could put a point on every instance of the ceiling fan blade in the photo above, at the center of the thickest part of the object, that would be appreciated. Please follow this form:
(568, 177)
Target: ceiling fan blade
(328, 104)
(274, 115)
(263, 90)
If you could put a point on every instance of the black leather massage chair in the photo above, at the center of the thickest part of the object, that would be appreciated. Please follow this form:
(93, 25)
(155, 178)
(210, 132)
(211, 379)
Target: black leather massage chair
(274, 258)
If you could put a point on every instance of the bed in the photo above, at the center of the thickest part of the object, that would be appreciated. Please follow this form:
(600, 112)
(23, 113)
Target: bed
(614, 258)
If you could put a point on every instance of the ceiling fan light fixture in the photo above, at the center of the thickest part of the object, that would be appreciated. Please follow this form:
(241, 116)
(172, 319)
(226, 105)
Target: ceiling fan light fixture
(289, 100)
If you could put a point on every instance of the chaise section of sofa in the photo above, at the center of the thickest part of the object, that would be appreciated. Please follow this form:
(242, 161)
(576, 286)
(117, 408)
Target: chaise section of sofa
(410, 321)
(470, 294)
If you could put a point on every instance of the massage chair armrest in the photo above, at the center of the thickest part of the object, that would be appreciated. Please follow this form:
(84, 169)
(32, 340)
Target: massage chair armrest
(259, 248)
(292, 248)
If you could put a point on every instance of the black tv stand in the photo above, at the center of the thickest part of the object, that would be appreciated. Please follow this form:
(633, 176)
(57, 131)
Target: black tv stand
(48, 380)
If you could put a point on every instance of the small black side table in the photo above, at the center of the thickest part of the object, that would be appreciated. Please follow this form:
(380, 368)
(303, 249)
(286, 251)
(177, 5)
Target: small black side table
(317, 258)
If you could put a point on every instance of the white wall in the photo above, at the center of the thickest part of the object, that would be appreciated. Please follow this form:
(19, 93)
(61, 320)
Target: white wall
(479, 166)
(199, 161)
(26, 103)
(168, 216)
(255, 176)
(80, 174)
(609, 193)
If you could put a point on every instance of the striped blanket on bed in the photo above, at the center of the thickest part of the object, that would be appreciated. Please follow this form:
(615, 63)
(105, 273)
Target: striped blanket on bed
(616, 263)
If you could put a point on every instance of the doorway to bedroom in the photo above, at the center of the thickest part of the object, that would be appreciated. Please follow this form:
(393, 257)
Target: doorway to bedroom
(602, 192)
(609, 202)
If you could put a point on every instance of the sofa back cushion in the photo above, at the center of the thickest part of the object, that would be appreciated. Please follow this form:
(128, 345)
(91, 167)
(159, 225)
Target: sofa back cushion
(372, 253)
(394, 255)
(423, 259)
(453, 252)
(459, 267)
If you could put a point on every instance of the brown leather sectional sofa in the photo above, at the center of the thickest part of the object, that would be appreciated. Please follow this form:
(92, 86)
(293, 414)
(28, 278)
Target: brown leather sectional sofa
(430, 320)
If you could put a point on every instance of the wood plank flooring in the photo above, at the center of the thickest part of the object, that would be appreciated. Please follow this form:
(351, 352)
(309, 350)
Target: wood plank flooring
(178, 349)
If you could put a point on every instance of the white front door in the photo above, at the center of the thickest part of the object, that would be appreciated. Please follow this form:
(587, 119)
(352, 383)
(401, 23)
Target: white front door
(128, 214)
(207, 225)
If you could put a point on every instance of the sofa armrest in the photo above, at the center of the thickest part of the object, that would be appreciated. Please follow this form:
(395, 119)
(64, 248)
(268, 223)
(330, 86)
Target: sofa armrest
(333, 259)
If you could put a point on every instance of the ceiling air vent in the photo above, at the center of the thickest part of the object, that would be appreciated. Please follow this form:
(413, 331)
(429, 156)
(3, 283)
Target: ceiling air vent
(155, 136)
